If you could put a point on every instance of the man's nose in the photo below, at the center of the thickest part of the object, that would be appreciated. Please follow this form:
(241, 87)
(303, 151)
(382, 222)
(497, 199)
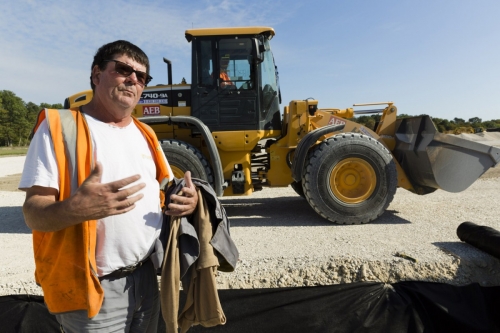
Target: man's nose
(133, 77)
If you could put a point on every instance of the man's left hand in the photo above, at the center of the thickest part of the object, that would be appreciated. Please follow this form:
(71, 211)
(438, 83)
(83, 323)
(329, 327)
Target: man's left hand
(185, 204)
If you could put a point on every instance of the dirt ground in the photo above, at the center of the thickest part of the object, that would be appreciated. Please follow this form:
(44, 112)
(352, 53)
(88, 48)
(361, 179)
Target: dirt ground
(10, 183)
(284, 247)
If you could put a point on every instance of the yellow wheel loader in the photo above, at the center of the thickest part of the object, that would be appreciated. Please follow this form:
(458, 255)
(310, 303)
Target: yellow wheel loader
(226, 127)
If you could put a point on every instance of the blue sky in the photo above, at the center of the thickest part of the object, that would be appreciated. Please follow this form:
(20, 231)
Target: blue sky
(436, 57)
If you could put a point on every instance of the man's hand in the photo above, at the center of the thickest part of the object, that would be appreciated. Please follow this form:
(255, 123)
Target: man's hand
(91, 201)
(185, 204)
(103, 200)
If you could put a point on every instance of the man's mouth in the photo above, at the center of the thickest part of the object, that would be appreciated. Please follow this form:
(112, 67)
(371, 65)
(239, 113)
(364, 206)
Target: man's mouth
(128, 91)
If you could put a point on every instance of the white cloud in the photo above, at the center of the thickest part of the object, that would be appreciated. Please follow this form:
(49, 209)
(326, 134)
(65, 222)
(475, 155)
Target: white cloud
(47, 46)
(338, 53)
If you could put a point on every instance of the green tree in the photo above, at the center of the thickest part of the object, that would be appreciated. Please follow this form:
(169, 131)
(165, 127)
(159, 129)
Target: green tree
(475, 120)
(51, 106)
(491, 124)
(3, 119)
(495, 123)
(14, 118)
(32, 111)
(367, 121)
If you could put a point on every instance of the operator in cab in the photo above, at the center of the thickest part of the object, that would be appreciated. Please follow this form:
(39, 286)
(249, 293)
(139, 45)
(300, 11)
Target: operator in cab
(225, 80)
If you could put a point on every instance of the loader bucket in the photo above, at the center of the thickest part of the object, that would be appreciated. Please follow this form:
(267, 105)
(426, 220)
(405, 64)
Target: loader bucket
(433, 160)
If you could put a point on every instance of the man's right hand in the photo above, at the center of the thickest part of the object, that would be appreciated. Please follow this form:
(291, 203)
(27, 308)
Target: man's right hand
(91, 201)
(102, 200)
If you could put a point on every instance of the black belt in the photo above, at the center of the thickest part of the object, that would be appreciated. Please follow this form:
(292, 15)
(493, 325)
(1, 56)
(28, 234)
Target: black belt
(124, 271)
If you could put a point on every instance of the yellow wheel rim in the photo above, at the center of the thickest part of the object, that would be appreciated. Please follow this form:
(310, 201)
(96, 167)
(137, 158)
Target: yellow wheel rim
(353, 180)
(178, 173)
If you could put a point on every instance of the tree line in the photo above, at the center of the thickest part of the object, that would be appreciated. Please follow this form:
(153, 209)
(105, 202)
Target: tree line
(17, 119)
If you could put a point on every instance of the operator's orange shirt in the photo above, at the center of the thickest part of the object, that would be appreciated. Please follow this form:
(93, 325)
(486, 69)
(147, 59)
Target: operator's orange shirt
(226, 80)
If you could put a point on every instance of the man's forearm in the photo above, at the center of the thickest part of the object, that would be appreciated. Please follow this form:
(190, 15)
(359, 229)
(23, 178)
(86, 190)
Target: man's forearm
(44, 214)
(91, 201)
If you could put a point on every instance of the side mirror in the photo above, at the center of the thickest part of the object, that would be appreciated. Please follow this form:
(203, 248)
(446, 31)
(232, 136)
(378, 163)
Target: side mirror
(259, 51)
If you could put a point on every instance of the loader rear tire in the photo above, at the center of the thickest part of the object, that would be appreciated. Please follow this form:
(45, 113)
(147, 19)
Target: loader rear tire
(184, 157)
(349, 178)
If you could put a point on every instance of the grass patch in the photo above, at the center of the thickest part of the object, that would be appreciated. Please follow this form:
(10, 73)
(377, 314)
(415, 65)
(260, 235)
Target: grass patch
(13, 151)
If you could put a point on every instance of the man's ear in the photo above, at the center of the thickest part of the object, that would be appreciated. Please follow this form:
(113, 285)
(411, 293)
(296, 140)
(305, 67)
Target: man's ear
(96, 75)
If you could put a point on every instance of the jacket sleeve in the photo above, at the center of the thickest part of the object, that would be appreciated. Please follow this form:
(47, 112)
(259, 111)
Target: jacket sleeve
(221, 241)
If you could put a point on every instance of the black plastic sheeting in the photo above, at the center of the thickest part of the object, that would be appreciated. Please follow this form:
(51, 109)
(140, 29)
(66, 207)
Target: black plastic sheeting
(26, 314)
(484, 238)
(356, 307)
(361, 307)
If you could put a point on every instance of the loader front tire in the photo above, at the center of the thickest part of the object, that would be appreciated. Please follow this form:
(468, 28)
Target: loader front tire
(184, 157)
(349, 178)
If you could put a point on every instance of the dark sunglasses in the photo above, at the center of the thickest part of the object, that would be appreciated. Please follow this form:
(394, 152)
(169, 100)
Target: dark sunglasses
(123, 69)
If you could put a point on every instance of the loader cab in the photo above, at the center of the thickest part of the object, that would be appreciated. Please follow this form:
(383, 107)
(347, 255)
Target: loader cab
(234, 79)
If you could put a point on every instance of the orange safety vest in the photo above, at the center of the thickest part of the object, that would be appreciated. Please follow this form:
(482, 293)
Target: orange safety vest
(65, 259)
(226, 79)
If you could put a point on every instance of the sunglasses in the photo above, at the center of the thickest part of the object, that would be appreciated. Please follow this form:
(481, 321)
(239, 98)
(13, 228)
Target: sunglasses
(123, 69)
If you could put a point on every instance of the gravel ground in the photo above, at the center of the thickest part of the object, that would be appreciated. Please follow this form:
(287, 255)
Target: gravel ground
(283, 242)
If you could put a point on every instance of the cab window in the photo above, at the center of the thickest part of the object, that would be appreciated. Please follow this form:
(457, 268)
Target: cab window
(235, 60)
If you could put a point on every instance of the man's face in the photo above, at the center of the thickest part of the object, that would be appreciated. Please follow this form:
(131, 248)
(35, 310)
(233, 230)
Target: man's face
(118, 93)
(224, 62)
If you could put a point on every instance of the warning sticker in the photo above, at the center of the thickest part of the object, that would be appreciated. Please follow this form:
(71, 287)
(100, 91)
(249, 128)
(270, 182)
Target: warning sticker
(153, 101)
(364, 131)
(336, 121)
(150, 110)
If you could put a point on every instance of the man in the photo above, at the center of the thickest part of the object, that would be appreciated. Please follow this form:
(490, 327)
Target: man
(225, 80)
(93, 239)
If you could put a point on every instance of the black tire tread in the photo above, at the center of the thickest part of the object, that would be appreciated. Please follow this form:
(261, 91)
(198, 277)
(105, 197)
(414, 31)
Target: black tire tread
(188, 158)
(328, 146)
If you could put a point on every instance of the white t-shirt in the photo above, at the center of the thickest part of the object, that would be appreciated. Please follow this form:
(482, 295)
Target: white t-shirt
(124, 239)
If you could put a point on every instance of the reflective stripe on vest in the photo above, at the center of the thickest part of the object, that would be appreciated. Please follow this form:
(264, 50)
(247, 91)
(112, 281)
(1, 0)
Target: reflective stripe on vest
(68, 125)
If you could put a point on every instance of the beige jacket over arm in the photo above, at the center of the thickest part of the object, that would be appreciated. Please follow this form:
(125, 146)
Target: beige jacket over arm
(202, 304)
